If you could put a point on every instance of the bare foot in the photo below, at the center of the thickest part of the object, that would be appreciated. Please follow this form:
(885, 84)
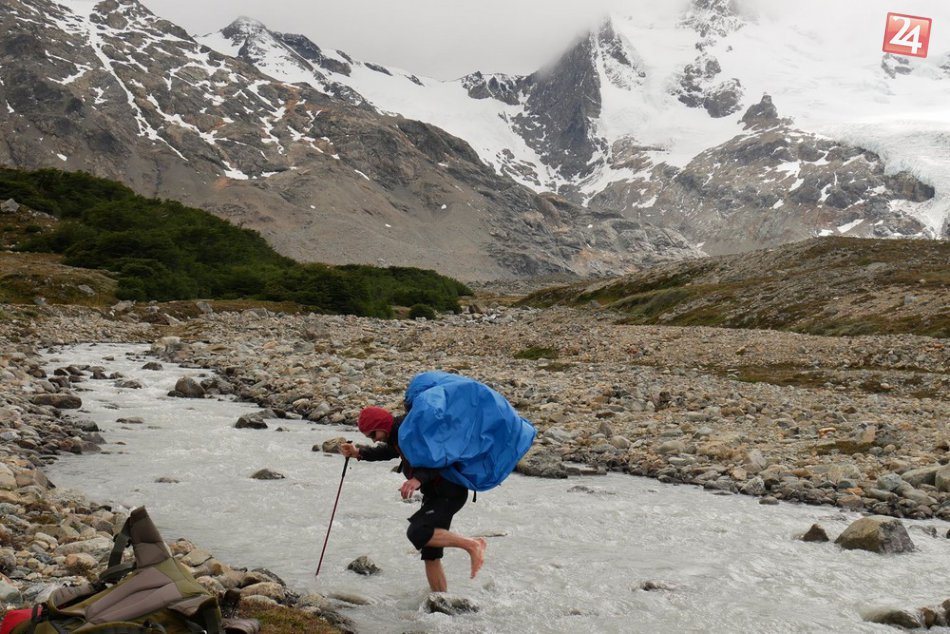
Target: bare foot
(478, 555)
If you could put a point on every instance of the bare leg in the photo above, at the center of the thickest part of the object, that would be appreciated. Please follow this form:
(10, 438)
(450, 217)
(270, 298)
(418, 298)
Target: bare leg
(436, 575)
(475, 547)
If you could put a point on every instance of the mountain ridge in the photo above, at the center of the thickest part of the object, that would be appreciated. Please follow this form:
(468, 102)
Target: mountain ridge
(579, 125)
(126, 95)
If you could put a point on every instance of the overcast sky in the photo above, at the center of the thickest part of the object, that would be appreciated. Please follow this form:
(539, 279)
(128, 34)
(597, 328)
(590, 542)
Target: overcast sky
(446, 39)
(443, 39)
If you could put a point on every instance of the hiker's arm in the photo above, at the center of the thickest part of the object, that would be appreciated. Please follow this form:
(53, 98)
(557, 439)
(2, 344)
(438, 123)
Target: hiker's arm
(381, 451)
(417, 479)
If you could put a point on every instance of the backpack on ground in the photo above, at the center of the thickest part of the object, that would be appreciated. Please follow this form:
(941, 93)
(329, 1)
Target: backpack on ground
(154, 595)
(463, 427)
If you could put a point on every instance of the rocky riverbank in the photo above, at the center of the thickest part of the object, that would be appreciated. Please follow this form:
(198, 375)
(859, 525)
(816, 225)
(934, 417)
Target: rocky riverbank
(50, 538)
(859, 423)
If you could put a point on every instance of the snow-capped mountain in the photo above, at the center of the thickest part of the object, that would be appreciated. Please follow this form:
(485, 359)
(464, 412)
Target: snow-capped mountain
(648, 116)
(110, 88)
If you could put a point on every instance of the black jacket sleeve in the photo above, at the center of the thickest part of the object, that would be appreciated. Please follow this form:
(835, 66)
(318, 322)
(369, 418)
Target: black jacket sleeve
(380, 451)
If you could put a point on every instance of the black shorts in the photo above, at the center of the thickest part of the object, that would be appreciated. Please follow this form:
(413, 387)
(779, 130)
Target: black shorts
(441, 500)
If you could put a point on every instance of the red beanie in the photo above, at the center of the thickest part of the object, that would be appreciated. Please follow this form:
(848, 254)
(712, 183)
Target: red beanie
(373, 418)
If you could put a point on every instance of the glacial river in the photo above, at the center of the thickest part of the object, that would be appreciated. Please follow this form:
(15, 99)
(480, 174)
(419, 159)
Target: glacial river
(563, 556)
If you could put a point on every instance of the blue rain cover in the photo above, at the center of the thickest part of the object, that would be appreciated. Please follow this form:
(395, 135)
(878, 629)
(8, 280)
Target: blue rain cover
(464, 428)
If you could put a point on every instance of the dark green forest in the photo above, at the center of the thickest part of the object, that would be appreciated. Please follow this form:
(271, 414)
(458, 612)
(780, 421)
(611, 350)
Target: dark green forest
(162, 250)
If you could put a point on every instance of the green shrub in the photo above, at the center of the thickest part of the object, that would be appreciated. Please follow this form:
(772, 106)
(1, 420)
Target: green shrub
(421, 310)
(163, 250)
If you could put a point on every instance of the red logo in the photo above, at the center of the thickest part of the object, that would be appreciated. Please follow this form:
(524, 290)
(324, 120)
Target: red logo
(906, 35)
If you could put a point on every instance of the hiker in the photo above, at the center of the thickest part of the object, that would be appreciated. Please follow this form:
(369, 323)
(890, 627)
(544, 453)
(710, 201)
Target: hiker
(441, 499)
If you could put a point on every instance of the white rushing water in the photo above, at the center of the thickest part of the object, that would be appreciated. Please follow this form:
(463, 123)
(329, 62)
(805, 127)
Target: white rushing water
(566, 555)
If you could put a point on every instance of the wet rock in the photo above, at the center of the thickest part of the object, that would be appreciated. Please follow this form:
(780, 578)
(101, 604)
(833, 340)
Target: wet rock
(267, 474)
(363, 565)
(815, 534)
(350, 597)
(330, 446)
(907, 619)
(877, 534)
(319, 605)
(447, 604)
(651, 585)
(251, 421)
(187, 387)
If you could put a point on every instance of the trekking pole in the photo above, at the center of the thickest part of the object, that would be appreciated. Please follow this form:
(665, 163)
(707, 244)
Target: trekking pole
(332, 515)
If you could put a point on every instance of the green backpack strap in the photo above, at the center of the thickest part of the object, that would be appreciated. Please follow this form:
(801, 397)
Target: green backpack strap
(117, 569)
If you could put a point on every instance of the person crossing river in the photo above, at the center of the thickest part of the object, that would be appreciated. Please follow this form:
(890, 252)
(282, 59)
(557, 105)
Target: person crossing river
(458, 435)
(441, 499)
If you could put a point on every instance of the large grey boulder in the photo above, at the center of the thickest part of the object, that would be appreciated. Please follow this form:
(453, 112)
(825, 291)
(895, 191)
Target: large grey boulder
(254, 420)
(878, 534)
(187, 387)
(923, 475)
(942, 479)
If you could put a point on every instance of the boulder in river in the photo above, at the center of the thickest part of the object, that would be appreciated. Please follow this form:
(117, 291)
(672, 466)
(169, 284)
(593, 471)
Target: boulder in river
(251, 421)
(187, 387)
(815, 534)
(447, 604)
(267, 474)
(363, 565)
(878, 534)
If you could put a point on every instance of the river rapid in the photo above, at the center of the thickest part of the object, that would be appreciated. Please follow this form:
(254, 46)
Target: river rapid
(563, 556)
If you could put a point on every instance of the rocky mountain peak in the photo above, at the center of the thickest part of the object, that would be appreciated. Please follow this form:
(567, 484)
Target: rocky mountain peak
(303, 46)
(616, 57)
(505, 88)
(762, 115)
(244, 27)
(712, 18)
(562, 104)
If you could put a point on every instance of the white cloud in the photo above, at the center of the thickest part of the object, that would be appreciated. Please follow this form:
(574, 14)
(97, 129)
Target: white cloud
(434, 38)
(445, 39)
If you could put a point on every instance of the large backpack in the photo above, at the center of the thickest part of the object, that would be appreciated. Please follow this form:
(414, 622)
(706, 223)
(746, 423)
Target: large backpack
(154, 595)
(464, 428)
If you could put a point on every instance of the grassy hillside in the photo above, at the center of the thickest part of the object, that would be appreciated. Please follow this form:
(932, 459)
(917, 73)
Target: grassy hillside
(835, 286)
(162, 250)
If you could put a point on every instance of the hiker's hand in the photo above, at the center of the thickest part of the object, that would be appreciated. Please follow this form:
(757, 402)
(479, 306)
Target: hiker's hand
(349, 450)
(408, 487)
